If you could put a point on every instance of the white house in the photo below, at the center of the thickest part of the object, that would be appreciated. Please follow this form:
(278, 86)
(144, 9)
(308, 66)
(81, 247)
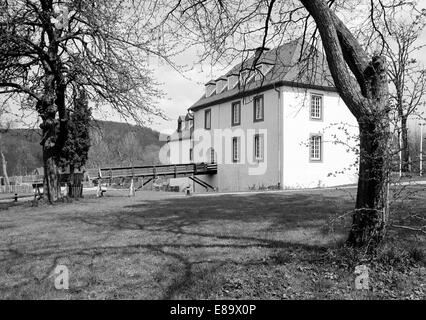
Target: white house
(273, 125)
(180, 149)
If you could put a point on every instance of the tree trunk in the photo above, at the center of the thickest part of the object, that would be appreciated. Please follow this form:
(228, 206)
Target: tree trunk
(4, 169)
(371, 209)
(54, 134)
(405, 152)
(51, 181)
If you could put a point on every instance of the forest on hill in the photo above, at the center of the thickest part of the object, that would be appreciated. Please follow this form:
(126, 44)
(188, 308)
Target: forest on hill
(112, 144)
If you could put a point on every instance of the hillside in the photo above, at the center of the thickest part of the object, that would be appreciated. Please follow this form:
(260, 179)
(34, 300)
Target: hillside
(112, 144)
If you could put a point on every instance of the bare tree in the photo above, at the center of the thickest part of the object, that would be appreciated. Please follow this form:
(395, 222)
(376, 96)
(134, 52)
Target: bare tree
(231, 28)
(47, 47)
(395, 29)
(4, 127)
(4, 164)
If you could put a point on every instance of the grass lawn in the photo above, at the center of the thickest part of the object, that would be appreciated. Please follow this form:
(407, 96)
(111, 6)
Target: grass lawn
(168, 246)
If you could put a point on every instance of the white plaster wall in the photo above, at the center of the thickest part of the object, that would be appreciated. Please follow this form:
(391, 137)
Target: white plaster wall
(248, 173)
(337, 125)
(179, 153)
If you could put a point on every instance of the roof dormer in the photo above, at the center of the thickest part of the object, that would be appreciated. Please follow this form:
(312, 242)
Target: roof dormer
(210, 88)
(262, 68)
(221, 84)
(247, 75)
(232, 80)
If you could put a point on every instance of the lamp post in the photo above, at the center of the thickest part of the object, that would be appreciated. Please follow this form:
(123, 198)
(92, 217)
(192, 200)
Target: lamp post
(400, 153)
(421, 148)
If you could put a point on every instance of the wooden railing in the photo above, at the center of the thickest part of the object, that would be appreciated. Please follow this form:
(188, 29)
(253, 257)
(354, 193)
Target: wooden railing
(25, 184)
(169, 170)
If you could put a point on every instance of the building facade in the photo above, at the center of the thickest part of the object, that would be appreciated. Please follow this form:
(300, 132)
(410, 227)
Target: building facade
(271, 126)
(180, 150)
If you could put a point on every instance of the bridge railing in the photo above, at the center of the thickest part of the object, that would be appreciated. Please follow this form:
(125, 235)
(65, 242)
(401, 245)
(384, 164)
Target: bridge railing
(155, 170)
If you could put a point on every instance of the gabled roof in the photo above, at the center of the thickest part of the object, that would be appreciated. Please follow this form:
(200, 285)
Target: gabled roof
(185, 132)
(287, 70)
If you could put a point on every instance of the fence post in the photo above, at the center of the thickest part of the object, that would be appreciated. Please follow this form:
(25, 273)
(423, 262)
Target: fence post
(132, 189)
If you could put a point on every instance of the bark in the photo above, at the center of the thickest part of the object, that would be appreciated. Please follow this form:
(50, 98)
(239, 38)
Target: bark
(4, 168)
(53, 135)
(405, 152)
(48, 142)
(53, 103)
(51, 181)
(367, 99)
(371, 209)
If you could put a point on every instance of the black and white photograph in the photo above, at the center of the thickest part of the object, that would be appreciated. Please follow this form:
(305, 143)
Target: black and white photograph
(213, 154)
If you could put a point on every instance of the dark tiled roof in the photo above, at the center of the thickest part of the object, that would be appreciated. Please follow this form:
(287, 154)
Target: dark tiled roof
(288, 70)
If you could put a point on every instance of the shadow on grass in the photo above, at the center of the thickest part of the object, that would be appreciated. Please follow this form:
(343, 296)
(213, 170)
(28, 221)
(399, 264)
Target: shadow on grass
(187, 239)
(209, 223)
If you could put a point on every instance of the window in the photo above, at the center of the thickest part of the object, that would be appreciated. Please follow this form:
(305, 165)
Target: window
(191, 154)
(258, 147)
(258, 109)
(207, 119)
(235, 149)
(236, 113)
(315, 148)
(316, 107)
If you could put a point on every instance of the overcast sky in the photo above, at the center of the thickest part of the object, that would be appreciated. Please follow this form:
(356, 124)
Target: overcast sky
(181, 91)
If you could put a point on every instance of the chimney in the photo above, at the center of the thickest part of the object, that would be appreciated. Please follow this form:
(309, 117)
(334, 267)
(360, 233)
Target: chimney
(258, 53)
(210, 88)
(179, 128)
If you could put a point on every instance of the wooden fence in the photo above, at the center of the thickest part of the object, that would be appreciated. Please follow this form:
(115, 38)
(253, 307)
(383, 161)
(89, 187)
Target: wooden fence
(21, 184)
(20, 189)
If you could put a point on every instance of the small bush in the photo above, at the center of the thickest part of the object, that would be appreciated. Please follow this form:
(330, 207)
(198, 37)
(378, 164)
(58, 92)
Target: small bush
(401, 258)
(417, 255)
(393, 256)
(282, 258)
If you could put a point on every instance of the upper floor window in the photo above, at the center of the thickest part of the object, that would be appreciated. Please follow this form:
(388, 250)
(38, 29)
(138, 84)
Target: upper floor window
(207, 119)
(235, 149)
(258, 108)
(315, 148)
(258, 147)
(236, 113)
(316, 107)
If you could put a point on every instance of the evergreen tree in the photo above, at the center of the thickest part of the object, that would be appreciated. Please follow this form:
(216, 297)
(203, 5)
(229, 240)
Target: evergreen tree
(75, 152)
